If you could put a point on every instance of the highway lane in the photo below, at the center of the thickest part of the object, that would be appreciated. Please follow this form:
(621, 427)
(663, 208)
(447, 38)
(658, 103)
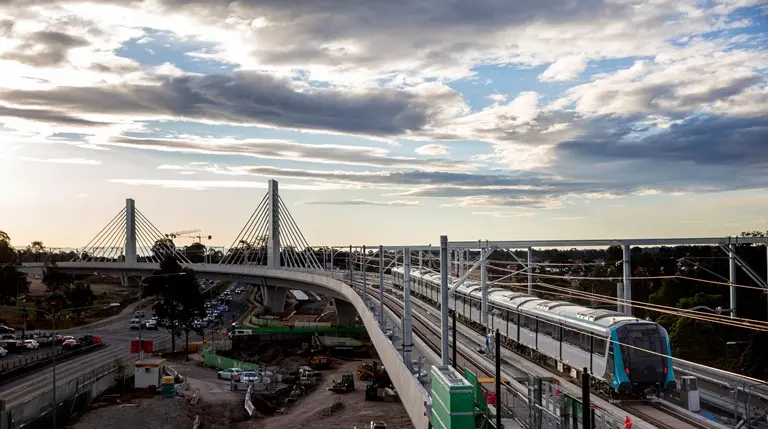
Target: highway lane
(116, 333)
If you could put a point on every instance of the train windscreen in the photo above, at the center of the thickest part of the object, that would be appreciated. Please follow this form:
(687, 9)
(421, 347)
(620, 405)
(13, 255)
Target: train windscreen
(643, 349)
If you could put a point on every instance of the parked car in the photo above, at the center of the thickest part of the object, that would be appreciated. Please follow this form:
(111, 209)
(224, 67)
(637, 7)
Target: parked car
(228, 374)
(249, 377)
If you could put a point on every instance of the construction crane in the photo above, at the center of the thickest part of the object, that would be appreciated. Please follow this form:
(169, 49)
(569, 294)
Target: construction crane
(176, 234)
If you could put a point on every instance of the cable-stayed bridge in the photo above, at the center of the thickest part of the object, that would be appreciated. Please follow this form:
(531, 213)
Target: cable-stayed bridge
(272, 251)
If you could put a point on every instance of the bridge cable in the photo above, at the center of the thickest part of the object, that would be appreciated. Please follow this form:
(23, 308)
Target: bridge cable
(96, 251)
(240, 234)
(300, 234)
(80, 252)
(254, 235)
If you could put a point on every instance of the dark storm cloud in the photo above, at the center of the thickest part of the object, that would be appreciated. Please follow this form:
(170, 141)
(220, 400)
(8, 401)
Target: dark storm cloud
(48, 116)
(705, 141)
(45, 48)
(252, 98)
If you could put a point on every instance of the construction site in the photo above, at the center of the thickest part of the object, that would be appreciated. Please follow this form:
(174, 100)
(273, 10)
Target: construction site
(310, 372)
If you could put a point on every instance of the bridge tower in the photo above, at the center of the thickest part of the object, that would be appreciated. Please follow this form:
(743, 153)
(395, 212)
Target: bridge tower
(273, 245)
(130, 232)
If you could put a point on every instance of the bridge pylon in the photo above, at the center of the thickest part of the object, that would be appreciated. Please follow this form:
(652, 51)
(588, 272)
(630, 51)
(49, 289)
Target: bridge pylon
(130, 238)
(271, 238)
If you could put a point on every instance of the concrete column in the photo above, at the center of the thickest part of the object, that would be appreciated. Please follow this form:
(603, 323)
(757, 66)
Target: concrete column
(530, 271)
(274, 297)
(350, 264)
(444, 272)
(130, 231)
(381, 286)
(732, 277)
(346, 312)
(620, 297)
(273, 246)
(407, 331)
(627, 281)
(484, 290)
(421, 256)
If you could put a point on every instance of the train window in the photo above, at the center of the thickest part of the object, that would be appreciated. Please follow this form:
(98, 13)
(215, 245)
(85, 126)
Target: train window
(600, 346)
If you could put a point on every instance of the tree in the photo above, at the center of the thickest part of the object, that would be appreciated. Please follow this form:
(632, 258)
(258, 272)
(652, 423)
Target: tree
(80, 295)
(195, 252)
(180, 301)
(163, 248)
(7, 252)
(12, 283)
(57, 284)
(36, 248)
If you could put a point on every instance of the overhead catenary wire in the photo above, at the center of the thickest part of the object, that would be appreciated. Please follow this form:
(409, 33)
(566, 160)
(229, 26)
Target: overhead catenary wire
(735, 322)
(728, 373)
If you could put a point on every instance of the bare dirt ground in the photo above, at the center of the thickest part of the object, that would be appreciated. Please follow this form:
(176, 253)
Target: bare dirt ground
(321, 409)
(158, 413)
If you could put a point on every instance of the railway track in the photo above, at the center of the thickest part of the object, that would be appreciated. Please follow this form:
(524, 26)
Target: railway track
(652, 412)
(431, 338)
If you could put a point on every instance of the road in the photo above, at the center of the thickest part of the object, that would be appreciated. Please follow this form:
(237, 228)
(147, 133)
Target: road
(113, 331)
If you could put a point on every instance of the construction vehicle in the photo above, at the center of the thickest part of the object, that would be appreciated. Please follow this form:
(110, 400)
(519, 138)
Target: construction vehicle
(369, 371)
(320, 362)
(347, 384)
(376, 391)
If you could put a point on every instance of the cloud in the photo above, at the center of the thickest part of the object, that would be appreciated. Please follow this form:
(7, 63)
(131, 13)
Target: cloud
(48, 116)
(289, 150)
(258, 99)
(505, 214)
(43, 48)
(202, 185)
(432, 149)
(565, 68)
(364, 203)
(77, 161)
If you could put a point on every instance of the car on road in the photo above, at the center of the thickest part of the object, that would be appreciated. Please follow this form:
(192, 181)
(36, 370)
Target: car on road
(229, 374)
(151, 325)
(3, 352)
(70, 343)
(134, 324)
(31, 344)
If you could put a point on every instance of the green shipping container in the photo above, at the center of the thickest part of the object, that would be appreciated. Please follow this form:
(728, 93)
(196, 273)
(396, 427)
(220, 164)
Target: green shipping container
(453, 403)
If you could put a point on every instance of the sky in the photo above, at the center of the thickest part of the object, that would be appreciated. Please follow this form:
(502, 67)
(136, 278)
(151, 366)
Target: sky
(386, 122)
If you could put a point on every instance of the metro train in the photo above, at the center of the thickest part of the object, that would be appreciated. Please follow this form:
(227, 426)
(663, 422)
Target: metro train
(562, 334)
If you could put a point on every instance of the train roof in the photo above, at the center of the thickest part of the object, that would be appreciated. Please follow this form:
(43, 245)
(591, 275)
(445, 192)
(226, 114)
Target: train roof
(559, 311)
